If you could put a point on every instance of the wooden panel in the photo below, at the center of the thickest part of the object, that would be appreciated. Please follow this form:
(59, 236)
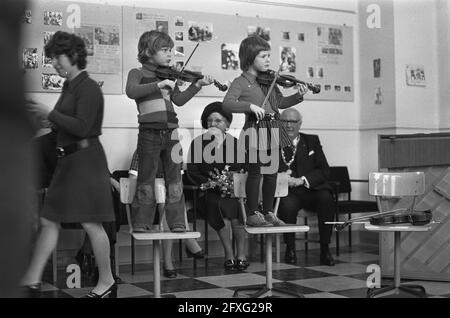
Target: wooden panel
(415, 150)
(423, 255)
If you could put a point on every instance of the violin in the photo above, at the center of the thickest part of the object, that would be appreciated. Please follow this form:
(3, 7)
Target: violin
(415, 218)
(285, 81)
(166, 72)
(398, 216)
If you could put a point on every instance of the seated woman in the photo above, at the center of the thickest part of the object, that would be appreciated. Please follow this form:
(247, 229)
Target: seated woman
(217, 121)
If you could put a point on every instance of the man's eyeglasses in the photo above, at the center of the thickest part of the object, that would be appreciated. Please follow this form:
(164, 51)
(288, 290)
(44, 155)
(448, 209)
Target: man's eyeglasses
(293, 122)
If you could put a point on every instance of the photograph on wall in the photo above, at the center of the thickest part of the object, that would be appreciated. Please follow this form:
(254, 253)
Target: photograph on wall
(347, 89)
(200, 31)
(310, 71)
(162, 26)
(263, 32)
(52, 18)
(285, 36)
(287, 59)
(301, 37)
(52, 81)
(30, 58)
(179, 36)
(319, 71)
(230, 56)
(87, 34)
(376, 68)
(179, 65)
(148, 21)
(327, 87)
(415, 75)
(337, 88)
(329, 45)
(27, 17)
(106, 35)
(179, 21)
(378, 96)
(46, 61)
(179, 51)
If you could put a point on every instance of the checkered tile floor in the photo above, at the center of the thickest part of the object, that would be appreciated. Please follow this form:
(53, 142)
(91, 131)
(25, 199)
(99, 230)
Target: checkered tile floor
(347, 279)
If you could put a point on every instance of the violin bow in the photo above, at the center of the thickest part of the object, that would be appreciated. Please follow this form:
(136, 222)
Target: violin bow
(339, 226)
(192, 53)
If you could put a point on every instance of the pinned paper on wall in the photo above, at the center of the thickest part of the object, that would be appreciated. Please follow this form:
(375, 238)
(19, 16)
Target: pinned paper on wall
(415, 75)
(378, 96)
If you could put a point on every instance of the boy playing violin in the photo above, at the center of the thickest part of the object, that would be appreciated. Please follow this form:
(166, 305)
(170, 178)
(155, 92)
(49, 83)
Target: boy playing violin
(157, 131)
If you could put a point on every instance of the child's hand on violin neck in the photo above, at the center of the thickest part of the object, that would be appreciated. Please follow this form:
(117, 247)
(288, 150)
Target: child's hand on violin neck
(206, 80)
(258, 111)
(302, 88)
(166, 84)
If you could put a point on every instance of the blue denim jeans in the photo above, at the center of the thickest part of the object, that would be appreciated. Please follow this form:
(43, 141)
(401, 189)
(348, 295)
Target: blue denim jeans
(154, 144)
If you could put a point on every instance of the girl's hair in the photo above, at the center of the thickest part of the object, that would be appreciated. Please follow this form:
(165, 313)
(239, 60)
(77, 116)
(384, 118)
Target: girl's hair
(250, 48)
(151, 42)
(69, 44)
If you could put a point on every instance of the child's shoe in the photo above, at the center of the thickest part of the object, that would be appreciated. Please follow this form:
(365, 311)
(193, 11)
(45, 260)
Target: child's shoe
(273, 219)
(257, 219)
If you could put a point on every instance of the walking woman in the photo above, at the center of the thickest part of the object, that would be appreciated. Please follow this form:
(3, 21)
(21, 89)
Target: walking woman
(79, 191)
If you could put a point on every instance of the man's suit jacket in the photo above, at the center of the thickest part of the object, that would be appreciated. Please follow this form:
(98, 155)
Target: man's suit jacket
(310, 162)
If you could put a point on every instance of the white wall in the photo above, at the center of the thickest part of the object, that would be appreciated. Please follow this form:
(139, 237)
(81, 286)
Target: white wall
(333, 121)
(416, 43)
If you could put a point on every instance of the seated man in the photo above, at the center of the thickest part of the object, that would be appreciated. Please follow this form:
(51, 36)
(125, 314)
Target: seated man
(308, 186)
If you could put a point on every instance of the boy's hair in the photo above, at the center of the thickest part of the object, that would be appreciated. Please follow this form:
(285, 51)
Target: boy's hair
(69, 44)
(153, 41)
(249, 49)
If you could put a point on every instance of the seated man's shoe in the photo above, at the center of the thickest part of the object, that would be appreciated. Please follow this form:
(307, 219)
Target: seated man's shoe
(290, 257)
(257, 219)
(199, 255)
(326, 258)
(273, 219)
(170, 273)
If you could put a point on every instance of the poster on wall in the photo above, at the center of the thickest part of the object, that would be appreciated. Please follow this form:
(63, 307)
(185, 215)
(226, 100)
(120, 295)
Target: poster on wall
(145, 21)
(329, 44)
(415, 75)
(103, 48)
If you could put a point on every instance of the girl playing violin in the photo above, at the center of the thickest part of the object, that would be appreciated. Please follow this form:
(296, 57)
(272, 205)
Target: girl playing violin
(262, 130)
(157, 136)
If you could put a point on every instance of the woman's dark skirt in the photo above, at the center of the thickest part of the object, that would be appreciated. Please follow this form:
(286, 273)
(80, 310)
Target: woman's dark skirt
(80, 190)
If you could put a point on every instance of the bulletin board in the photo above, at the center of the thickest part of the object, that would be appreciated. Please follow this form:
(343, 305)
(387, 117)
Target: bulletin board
(314, 53)
(99, 25)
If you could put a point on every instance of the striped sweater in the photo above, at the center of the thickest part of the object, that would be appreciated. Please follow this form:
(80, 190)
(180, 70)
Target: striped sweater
(154, 105)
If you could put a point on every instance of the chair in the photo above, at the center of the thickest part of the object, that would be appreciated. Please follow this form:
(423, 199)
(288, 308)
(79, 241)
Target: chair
(341, 182)
(389, 185)
(239, 180)
(127, 190)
